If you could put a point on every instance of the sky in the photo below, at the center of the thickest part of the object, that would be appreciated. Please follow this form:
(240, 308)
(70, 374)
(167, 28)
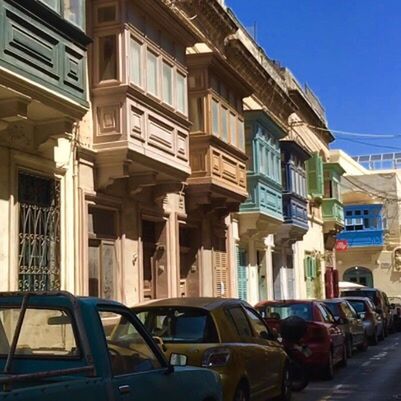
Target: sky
(348, 52)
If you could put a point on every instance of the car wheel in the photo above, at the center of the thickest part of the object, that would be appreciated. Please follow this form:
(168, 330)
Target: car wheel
(350, 347)
(381, 335)
(299, 376)
(344, 360)
(286, 394)
(328, 373)
(374, 340)
(364, 346)
(241, 393)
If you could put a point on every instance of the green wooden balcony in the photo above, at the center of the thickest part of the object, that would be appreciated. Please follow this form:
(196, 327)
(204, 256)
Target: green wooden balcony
(40, 46)
(333, 214)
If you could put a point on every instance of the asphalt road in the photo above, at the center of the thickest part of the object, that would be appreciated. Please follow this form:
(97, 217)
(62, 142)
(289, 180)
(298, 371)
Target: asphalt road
(374, 375)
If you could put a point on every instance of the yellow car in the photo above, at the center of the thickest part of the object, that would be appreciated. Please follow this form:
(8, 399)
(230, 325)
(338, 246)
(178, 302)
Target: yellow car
(226, 335)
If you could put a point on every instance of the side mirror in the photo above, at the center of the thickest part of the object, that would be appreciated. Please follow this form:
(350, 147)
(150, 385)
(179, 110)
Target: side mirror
(266, 336)
(362, 315)
(178, 359)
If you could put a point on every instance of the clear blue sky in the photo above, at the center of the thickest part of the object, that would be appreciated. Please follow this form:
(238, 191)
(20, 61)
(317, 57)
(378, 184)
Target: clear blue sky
(347, 51)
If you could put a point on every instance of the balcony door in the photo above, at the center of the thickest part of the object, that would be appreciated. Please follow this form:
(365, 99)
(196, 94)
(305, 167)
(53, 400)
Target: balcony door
(154, 247)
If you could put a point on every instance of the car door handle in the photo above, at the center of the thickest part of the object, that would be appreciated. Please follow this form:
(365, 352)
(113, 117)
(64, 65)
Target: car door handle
(124, 389)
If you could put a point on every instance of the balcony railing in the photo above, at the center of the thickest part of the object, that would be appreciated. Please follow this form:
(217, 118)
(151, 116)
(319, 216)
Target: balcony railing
(295, 211)
(333, 211)
(362, 238)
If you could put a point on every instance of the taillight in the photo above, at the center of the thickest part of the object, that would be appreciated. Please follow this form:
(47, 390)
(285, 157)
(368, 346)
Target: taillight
(216, 357)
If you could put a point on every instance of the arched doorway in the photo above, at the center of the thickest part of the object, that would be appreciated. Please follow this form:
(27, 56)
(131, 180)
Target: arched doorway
(360, 275)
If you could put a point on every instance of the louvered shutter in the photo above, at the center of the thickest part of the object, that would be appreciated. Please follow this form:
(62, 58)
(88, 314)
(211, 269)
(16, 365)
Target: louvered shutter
(242, 275)
(314, 168)
(313, 272)
(220, 273)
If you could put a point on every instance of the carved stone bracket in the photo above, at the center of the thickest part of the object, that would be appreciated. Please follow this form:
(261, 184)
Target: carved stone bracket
(110, 166)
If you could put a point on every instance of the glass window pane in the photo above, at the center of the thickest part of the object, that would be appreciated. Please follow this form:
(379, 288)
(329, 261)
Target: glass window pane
(74, 11)
(241, 135)
(224, 124)
(215, 117)
(135, 62)
(107, 58)
(196, 113)
(240, 322)
(53, 4)
(108, 269)
(233, 130)
(151, 76)
(167, 83)
(181, 93)
(128, 350)
(44, 332)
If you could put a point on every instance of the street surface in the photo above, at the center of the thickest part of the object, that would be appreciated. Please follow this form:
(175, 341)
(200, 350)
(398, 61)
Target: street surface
(374, 375)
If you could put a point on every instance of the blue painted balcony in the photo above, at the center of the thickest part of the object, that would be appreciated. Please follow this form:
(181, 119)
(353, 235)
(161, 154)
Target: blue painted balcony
(295, 204)
(363, 238)
(364, 226)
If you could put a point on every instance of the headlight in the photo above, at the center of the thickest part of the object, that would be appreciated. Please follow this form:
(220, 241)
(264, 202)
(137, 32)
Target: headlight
(216, 357)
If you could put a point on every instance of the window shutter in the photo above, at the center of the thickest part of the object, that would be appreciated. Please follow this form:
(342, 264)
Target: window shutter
(313, 273)
(242, 275)
(306, 267)
(314, 168)
(220, 273)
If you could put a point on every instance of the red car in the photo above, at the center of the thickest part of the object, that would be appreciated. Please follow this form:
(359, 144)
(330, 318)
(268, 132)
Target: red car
(324, 337)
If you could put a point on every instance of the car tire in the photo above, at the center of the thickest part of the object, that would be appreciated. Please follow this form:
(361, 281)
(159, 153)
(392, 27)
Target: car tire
(299, 376)
(328, 373)
(286, 394)
(365, 344)
(241, 393)
(344, 361)
(374, 339)
(350, 347)
(381, 335)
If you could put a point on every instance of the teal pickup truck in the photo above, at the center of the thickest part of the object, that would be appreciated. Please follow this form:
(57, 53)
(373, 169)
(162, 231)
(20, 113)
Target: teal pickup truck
(54, 346)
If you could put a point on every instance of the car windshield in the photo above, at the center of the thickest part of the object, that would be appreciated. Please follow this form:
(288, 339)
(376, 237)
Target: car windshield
(281, 311)
(179, 325)
(360, 293)
(359, 306)
(333, 307)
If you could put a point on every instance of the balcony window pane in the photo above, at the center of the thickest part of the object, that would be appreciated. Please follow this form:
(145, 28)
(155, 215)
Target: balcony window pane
(224, 124)
(215, 117)
(53, 4)
(241, 136)
(135, 62)
(181, 93)
(151, 76)
(107, 58)
(167, 83)
(196, 115)
(74, 11)
(233, 130)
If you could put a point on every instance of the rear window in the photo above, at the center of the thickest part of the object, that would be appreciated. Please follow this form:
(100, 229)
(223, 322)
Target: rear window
(333, 308)
(359, 306)
(44, 332)
(281, 311)
(367, 294)
(179, 325)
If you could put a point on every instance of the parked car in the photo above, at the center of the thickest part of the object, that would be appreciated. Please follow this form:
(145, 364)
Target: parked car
(350, 322)
(226, 335)
(324, 337)
(372, 320)
(379, 299)
(395, 303)
(53, 347)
